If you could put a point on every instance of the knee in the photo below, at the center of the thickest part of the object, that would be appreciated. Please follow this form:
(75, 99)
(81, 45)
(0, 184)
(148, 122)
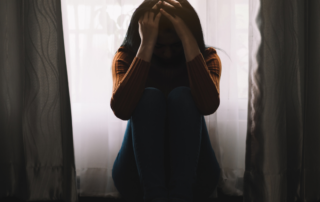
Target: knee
(152, 95)
(180, 90)
(151, 99)
(181, 96)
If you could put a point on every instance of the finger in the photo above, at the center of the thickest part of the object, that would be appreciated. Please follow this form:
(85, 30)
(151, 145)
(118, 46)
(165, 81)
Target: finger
(173, 2)
(158, 18)
(166, 14)
(151, 15)
(145, 17)
(157, 5)
(166, 4)
(141, 18)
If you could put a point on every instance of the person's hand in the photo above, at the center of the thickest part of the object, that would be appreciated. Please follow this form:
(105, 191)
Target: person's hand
(181, 28)
(148, 28)
(171, 3)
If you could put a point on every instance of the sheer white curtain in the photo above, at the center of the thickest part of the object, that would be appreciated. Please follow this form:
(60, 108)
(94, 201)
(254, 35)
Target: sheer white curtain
(93, 31)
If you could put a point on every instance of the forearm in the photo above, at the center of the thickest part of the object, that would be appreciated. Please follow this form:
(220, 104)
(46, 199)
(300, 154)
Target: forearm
(145, 51)
(129, 85)
(190, 46)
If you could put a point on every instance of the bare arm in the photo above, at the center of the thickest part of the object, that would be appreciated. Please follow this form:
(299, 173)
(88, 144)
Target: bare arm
(145, 51)
(191, 48)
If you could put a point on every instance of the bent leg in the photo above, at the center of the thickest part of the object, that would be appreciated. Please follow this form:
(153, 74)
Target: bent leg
(147, 131)
(184, 122)
(124, 172)
(208, 171)
(148, 128)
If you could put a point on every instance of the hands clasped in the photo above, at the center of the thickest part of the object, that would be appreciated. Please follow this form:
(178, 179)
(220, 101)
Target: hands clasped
(149, 26)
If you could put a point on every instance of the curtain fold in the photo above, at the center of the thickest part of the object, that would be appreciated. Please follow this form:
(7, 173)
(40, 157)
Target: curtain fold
(36, 143)
(283, 109)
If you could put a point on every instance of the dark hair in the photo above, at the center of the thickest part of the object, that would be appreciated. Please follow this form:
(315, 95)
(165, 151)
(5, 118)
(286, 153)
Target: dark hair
(187, 13)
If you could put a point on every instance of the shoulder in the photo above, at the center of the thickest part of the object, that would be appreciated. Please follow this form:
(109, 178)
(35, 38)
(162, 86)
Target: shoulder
(126, 50)
(124, 53)
(210, 53)
(123, 49)
(212, 59)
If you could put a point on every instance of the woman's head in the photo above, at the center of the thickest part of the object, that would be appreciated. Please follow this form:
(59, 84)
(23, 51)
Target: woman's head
(168, 43)
(168, 48)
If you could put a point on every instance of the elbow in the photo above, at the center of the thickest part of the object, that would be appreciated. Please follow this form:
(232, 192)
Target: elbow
(123, 117)
(212, 108)
(119, 112)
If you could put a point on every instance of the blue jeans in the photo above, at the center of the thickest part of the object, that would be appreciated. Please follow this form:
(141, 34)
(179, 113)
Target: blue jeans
(166, 150)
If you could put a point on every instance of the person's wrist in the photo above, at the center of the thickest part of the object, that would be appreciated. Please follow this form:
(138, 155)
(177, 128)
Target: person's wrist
(145, 51)
(187, 37)
(148, 44)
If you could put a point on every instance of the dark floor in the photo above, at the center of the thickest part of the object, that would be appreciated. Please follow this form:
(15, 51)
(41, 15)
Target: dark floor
(222, 198)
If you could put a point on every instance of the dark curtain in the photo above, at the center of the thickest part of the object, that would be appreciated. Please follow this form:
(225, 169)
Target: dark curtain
(36, 143)
(283, 135)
